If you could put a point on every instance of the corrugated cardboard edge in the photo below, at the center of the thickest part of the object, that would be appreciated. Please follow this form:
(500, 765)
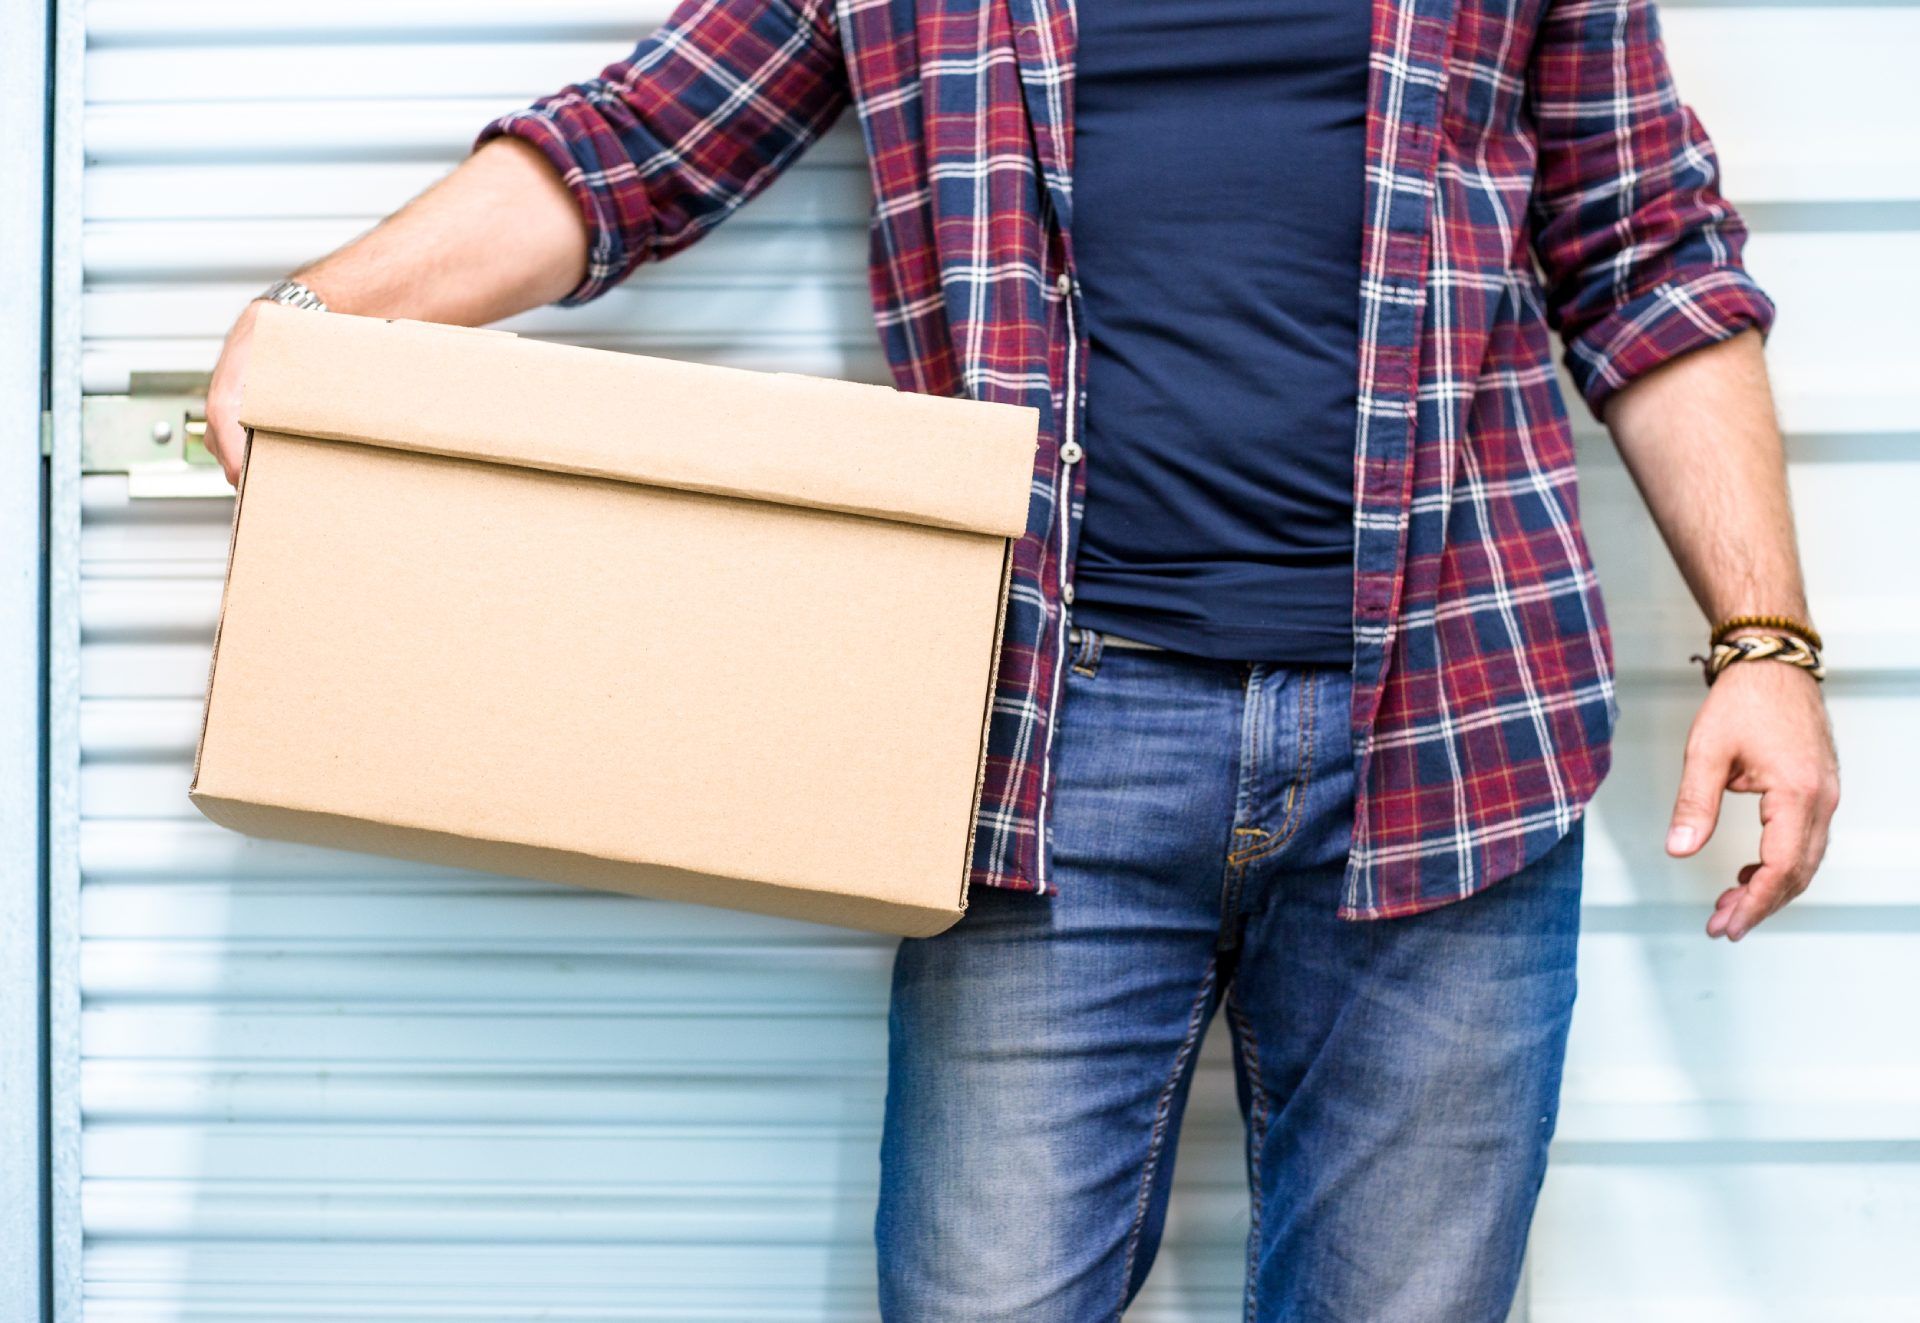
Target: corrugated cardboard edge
(986, 728)
(226, 592)
(573, 868)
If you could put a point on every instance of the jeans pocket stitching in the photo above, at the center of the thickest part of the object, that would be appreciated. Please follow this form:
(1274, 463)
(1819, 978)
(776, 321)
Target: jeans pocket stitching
(1297, 791)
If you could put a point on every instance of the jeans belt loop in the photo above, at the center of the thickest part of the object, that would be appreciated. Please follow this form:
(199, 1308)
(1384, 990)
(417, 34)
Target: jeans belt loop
(1086, 644)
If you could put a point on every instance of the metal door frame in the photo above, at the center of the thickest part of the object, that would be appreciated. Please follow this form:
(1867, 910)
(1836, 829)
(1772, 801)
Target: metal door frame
(60, 968)
(25, 81)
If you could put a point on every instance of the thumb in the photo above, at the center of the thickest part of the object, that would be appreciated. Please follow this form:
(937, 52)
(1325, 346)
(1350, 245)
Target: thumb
(1696, 809)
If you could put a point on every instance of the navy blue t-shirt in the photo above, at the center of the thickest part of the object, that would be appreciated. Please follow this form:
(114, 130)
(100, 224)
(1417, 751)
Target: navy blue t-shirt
(1219, 152)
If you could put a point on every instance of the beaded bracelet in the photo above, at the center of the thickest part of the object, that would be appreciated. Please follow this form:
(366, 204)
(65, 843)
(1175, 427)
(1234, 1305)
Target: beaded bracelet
(1782, 624)
(1764, 647)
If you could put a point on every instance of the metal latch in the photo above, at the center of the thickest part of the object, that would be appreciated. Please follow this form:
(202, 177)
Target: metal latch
(156, 434)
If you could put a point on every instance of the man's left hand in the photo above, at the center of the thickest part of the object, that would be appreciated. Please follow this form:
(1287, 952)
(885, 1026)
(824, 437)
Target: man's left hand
(1763, 730)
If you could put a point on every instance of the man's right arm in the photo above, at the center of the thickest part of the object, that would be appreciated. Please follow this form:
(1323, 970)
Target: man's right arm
(563, 200)
(498, 236)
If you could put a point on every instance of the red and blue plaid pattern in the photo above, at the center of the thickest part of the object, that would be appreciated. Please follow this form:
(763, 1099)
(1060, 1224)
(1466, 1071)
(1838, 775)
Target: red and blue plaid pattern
(1500, 135)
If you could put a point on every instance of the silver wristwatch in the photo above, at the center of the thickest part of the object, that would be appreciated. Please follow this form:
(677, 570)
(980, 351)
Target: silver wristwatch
(293, 294)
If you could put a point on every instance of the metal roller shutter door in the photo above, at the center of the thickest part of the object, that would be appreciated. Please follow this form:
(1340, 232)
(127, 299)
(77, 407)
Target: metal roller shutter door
(295, 1086)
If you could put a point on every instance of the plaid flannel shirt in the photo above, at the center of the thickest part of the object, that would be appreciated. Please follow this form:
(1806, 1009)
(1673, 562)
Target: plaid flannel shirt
(1528, 166)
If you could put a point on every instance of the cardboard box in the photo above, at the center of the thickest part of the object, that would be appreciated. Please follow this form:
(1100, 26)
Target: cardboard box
(638, 625)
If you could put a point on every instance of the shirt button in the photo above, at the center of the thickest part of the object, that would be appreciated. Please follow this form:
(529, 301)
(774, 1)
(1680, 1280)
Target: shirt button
(1063, 284)
(1071, 453)
(1067, 594)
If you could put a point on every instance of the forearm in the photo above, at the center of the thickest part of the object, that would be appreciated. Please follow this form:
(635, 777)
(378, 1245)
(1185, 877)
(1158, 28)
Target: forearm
(1699, 436)
(1700, 439)
(499, 235)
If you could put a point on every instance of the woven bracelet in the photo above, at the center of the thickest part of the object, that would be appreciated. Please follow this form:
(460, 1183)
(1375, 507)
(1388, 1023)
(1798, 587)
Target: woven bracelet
(1764, 647)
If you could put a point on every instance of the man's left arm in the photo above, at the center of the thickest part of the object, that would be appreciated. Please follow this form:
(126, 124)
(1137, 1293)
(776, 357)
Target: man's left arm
(1641, 258)
(1699, 436)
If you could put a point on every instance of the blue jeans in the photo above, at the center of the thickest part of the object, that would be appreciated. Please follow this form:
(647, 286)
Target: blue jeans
(1399, 1078)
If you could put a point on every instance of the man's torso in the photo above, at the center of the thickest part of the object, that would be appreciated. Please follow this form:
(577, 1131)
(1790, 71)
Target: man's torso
(1218, 181)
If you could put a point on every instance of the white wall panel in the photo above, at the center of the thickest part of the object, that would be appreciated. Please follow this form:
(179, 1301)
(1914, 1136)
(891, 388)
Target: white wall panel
(315, 1086)
(1806, 103)
(1740, 1137)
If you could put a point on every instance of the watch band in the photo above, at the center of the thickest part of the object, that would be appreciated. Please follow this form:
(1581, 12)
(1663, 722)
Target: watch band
(293, 294)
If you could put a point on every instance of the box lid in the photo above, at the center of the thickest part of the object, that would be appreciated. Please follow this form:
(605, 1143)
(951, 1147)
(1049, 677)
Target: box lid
(495, 397)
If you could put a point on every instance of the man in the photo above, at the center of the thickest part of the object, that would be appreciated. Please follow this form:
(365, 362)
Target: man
(1306, 681)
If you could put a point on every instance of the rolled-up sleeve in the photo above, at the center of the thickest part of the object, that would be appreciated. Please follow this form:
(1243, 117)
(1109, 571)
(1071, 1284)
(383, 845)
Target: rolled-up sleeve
(1641, 253)
(668, 142)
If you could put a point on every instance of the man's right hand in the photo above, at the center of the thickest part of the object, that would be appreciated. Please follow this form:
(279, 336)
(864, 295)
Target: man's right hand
(499, 235)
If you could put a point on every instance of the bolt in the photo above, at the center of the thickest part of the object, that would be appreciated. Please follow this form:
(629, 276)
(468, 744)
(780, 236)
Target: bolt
(162, 432)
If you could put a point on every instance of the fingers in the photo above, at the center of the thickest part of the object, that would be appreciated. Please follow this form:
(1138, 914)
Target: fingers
(226, 442)
(1790, 825)
(226, 438)
(1723, 908)
(1696, 809)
